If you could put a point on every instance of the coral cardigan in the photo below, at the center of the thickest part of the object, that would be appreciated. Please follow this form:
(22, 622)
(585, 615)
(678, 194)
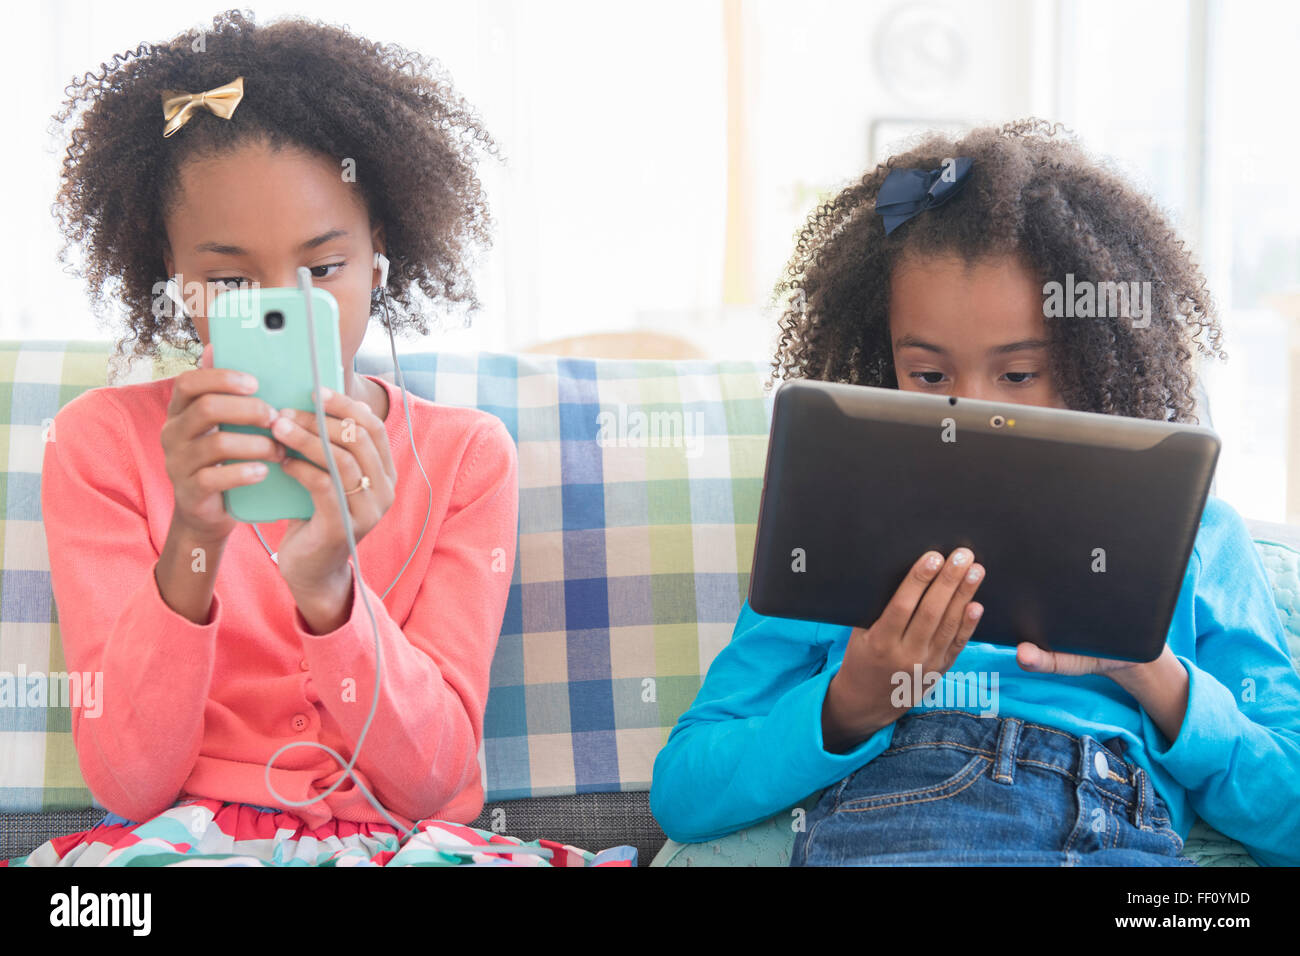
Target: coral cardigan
(198, 709)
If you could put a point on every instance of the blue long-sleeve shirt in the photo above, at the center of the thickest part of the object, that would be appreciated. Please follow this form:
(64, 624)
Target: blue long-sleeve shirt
(751, 744)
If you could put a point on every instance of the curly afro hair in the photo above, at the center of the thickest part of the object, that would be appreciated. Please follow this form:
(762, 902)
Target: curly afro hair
(1034, 194)
(414, 140)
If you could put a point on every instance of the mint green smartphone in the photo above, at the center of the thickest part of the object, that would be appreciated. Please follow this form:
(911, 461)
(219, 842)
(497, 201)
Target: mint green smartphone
(264, 332)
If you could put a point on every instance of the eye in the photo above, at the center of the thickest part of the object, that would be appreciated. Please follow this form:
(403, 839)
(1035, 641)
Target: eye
(920, 376)
(226, 283)
(331, 265)
(1025, 379)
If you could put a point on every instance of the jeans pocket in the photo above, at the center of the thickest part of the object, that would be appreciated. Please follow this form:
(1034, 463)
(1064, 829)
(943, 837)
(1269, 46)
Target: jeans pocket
(920, 773)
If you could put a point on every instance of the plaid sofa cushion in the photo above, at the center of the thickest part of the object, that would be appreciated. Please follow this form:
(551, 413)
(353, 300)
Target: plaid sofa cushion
(639, 485)
(639, 491)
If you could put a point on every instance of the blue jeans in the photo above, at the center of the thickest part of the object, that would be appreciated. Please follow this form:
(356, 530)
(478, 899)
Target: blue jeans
(955, 788)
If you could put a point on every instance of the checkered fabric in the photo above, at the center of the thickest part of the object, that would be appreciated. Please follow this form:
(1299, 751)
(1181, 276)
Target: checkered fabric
(639, 486)
(639, 491)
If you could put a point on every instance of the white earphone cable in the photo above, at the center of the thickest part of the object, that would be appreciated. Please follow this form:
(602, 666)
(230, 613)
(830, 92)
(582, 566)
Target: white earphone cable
(305, 286)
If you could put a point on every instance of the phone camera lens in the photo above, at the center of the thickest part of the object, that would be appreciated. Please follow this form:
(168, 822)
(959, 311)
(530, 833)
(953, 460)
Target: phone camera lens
(275, 320)
(997, 421)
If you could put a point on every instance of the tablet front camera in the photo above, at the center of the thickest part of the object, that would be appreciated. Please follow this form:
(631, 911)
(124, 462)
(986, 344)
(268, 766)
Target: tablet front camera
(997, 421)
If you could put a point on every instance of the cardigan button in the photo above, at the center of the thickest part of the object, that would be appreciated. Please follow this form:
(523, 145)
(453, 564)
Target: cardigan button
(300, 722)
(303, 664)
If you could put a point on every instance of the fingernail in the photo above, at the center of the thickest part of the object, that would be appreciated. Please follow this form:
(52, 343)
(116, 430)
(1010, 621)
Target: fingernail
(975, 611)
(933, 562)
(974, 574)
(325, 394)
(960, 557)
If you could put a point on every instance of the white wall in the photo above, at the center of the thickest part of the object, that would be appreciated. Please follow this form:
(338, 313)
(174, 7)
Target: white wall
(610, 206)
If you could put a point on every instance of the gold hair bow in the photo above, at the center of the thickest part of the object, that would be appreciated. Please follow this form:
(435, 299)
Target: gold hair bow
(179, 106)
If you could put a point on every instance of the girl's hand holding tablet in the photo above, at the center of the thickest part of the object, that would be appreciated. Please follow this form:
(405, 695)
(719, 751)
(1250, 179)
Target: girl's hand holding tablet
(928, 622)
(1160, 686)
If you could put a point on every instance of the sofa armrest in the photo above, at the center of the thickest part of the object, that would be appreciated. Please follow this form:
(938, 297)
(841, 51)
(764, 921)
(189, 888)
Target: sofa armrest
(1283, 534)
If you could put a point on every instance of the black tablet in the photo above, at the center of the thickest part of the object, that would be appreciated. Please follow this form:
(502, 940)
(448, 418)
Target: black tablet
(1084, 523)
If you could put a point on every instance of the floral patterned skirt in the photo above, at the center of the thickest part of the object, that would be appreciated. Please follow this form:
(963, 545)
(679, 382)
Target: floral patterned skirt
(205, 832)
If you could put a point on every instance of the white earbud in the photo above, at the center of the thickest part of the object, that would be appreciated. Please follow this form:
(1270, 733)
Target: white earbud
(381, 263)
(173, 292)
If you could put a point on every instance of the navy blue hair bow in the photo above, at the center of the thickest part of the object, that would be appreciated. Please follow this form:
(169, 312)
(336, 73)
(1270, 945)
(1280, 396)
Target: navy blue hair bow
(906, 192)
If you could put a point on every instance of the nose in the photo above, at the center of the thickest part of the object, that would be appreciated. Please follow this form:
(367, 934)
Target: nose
(281, 277)
(973, 389)
(286, 279)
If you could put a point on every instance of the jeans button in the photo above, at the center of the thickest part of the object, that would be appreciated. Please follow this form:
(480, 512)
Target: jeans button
(1103, 768)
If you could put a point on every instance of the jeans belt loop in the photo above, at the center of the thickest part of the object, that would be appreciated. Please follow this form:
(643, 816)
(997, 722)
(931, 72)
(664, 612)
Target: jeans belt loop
(1004, 761)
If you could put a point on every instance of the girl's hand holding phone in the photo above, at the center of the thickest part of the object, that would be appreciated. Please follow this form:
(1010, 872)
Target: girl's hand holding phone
(313, 554)
(195, 447)
(928, 621)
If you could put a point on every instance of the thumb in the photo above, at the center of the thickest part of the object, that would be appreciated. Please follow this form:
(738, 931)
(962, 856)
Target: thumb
(205, 360)
(1031, 657)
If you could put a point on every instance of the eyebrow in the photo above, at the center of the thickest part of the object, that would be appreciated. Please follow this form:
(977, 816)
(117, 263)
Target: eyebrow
(229, 250)
(912, 342)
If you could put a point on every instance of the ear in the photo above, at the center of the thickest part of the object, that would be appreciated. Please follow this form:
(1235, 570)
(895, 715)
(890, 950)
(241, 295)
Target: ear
(378, 276)
(169, 264)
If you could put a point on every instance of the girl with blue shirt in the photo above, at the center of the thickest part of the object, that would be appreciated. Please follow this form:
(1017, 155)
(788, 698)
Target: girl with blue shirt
(930, 274)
